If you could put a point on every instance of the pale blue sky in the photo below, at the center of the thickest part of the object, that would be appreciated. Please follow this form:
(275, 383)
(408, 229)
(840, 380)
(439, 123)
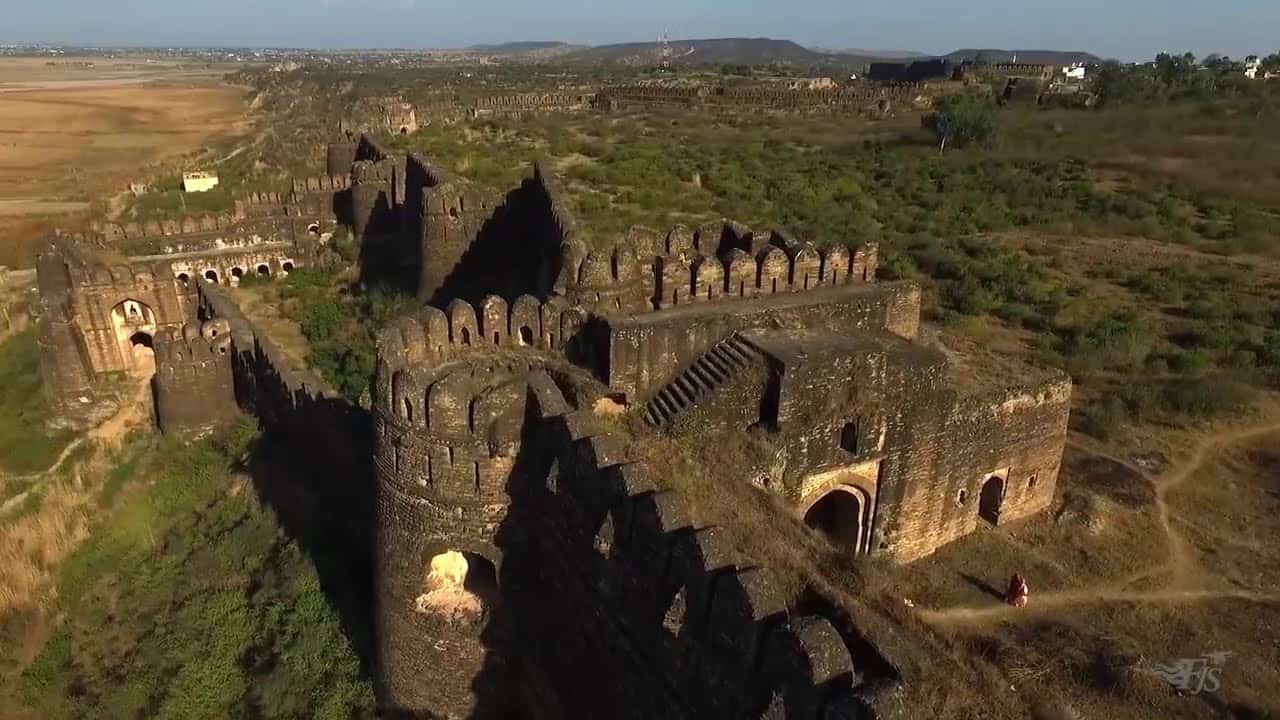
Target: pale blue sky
(1130, 29)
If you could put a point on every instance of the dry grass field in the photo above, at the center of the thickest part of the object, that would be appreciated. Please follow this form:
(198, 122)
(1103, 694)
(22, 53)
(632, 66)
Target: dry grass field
(72, 133)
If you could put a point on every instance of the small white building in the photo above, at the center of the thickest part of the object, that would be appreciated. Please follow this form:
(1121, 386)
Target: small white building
(1074, 71)
(193, 182)
(1252, 65)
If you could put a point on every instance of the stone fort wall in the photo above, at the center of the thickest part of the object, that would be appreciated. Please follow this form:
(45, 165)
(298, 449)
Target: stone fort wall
(193, 386)
(644, 352)
(949, 449)
(474, 245)
(603, 599)
(860, 98)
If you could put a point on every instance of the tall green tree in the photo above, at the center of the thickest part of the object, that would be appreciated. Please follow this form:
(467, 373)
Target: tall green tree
(961, 120)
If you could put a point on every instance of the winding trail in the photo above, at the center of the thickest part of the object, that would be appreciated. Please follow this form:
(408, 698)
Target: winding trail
(110, 432)
(1187, 579)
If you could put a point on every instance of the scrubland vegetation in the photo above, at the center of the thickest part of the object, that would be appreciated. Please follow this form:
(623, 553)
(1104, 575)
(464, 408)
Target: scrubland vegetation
(186, 600)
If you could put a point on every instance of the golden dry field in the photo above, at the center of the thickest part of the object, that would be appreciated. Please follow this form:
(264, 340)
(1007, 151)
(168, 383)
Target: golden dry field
(77, 131)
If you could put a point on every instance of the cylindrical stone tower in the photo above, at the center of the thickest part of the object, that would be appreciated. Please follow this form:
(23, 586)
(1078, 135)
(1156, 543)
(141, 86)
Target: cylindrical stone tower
(446, 434)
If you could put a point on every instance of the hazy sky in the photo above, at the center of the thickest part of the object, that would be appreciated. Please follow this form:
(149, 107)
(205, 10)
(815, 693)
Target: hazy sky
(1129, 29)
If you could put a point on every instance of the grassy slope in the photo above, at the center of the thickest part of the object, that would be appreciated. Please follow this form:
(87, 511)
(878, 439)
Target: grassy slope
(24, 445)
(188, 602)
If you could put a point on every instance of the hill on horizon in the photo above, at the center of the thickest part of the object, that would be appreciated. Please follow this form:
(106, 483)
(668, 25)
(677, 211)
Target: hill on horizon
(522, 46)
(759, 51)
(716, 51)
(1034, 57)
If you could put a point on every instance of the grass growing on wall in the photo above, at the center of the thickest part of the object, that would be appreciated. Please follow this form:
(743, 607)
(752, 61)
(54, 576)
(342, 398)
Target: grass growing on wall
(188, 602)
(25, 445)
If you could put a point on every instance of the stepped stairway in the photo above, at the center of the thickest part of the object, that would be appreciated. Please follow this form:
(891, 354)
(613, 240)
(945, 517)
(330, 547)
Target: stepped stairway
(729, 358)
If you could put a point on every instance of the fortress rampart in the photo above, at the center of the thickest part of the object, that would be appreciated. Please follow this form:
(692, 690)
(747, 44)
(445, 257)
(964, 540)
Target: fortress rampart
(592, 594)
(193, 384)
(709, 97)
(474, 246)
(644, 352)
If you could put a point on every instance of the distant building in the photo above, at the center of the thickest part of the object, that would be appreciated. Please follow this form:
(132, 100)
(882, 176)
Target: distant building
(1075, 71)
(822, 83)
(918, 71)
(193, 182)
(1252, 65)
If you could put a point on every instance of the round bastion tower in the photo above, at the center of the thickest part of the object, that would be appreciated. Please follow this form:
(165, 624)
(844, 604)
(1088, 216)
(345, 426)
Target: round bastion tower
(447, 422)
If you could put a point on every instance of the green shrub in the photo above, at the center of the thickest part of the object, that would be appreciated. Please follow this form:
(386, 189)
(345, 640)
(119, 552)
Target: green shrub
(962, 120)
(25, 445)
(1102, 419)
(1205, 396)
(189, 601)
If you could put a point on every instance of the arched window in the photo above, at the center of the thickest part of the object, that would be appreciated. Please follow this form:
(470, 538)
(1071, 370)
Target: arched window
(851, 437)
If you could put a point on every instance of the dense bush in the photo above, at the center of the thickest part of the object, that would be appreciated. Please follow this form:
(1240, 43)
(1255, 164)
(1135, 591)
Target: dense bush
(961, 120)
(341, 324)
(191, 603)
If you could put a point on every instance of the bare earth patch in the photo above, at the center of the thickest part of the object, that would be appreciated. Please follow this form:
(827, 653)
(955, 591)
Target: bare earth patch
(74, 133)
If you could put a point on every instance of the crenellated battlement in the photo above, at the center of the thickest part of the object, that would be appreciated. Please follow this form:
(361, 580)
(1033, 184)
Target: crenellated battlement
(122, 277)
(194, 386)
(192, 350)
(649, 271)
(435, 336)
(321, 184)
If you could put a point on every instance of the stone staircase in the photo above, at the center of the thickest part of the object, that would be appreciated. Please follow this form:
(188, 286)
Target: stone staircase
(707, 374)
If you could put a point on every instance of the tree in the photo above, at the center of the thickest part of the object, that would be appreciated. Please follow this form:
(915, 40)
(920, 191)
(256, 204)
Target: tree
(960, 120)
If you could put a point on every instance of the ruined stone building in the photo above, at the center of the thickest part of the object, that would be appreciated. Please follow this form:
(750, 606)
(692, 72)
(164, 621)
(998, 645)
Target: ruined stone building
(524, 563)
(101, 314)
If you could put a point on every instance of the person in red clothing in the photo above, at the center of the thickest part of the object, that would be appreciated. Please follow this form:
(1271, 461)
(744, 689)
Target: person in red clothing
(1018, 591)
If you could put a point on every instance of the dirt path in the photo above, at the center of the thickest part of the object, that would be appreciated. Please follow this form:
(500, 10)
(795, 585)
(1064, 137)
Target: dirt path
(1187, 578)
(111, 433)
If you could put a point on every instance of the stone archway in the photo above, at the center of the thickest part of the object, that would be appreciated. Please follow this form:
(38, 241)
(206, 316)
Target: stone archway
(134, 324)
(840, 515)
(991, 500)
